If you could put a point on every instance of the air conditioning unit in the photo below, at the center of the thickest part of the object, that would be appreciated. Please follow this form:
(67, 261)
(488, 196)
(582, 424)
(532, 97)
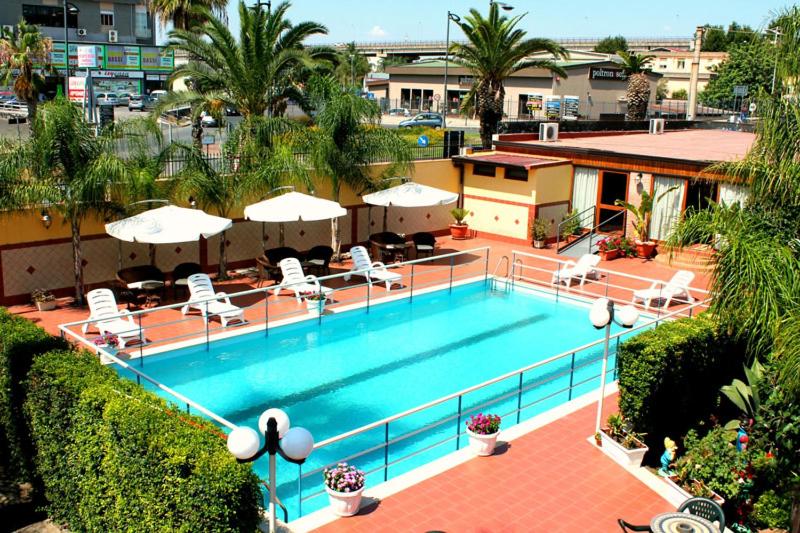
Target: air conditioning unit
(81, 32)
(8, 28)
(548, 131)
(113, 36)
(656, 126)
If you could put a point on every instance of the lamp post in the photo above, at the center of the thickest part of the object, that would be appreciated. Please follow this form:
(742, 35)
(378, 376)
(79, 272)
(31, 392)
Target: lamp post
(294, 445)
(501, 5)
(258, 5)
(455, 18)
(73, 9)
(775, 33)
(602, 316)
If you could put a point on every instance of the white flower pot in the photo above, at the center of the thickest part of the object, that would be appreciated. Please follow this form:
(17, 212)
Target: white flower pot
(621, 454)
(104, 359)
(482, 445)
(682, 494)
(46, 306)
(315, 307)
(344, 503)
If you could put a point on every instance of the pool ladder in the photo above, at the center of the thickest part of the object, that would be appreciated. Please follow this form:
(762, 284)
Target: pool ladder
(505, 278)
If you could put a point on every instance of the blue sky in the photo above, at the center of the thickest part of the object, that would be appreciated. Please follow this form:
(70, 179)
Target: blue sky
(359, 20)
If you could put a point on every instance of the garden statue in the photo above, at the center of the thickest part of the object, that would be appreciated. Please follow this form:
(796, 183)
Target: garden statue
(667, 457)
(741, 439)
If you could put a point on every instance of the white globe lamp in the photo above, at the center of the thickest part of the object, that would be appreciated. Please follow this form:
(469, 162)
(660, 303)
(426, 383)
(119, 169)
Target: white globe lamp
(297, 444)
(599, 315)
(243, 442)
(280, 417)
(628, 316)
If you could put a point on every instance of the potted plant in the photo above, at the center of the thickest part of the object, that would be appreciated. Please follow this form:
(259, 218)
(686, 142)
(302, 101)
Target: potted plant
(570, 226)
(609, 248)
(344, 484)
(315, 302)
(623, 444)
(459, 229)
(109, 343)
(539, 232)
(483, 430)
(598, 438)
(43, 299)
(641, 221)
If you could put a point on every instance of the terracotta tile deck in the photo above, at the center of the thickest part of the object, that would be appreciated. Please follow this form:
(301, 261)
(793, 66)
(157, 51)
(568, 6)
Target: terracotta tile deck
(549, 480)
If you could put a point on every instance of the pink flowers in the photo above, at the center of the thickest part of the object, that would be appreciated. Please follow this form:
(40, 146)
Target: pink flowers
(484, 424)
(344, 478)
(108, 339)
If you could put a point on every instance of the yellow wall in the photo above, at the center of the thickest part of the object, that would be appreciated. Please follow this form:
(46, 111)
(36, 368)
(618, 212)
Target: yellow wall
(552, 184)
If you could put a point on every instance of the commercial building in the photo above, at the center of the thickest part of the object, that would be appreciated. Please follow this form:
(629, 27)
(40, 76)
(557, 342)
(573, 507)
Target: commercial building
(122, 32)
(595, 87)
(675, 67)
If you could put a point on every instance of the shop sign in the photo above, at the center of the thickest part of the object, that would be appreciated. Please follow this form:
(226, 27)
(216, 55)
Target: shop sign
(534, 103)
(117, 74)
(87, 57)
(122, 57)
(76, 88)
(154, 58)
(571, 107)
(606, 73)
(552, 107)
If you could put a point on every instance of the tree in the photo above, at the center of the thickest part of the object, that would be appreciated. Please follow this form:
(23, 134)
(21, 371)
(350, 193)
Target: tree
(393, 61)
(346, 139)
(680, 94)
(716, 39)
(64, 167)
(611, 45)
(750, 63)
(351, 66)
(662, 90)
(495, 50)
(20, 57)
(637, 66)
(184, 14)
(255, 74)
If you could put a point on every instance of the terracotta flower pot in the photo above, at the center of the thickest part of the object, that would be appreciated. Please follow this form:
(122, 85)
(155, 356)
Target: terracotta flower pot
(459, 231)
(609, 255)
(645, 249)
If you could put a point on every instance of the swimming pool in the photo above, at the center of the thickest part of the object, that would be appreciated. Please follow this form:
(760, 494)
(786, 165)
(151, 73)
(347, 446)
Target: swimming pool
(359, 366)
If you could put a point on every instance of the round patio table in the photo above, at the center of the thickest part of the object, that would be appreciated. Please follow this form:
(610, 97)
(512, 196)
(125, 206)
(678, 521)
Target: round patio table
(681, 523)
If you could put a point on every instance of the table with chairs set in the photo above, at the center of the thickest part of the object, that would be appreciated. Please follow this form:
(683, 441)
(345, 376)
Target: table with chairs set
(695, 515)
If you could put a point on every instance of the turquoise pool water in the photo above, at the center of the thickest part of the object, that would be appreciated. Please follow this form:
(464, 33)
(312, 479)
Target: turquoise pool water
(358, 367)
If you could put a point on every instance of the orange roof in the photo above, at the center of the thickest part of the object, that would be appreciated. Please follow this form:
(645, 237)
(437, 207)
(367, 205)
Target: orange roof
(509, 160)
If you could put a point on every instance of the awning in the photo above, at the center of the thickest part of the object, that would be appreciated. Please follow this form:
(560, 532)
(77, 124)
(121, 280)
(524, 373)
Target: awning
(168, 224)
(294, 207)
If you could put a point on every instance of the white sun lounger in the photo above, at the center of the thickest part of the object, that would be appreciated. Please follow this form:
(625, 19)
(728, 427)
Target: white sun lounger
(294, 279)
(104, 314)
(676, 288)
(376, 271)
(583, 269)
(200, 288)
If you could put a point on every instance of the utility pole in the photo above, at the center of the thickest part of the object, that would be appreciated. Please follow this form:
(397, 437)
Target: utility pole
(455, 18)
(691, 111)
(775, 33)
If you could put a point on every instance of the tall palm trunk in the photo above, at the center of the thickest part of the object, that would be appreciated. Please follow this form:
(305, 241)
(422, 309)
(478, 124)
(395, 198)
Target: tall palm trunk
(336, 243)
(197, 133)
(77, 259)
(222, 270)
(490, 97)
(638, 96)
(32, 104)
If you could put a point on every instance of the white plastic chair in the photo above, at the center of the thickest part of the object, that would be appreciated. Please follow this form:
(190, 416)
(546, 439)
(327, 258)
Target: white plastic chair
(200, 288)
(584, 268)
(675, 288)
(102, 307)
(295, 280)
(376, 271)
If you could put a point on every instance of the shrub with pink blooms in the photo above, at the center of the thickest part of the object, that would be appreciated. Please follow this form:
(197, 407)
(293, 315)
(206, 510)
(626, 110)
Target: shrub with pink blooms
(344, 478)
(482, 424)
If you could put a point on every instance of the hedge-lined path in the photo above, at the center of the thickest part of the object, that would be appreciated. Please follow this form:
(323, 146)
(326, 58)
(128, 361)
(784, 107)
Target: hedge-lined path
(551, 479)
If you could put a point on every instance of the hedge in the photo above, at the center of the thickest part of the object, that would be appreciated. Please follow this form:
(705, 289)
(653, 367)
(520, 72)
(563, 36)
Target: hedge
(669, 377)
(134, 463)
(20, 342)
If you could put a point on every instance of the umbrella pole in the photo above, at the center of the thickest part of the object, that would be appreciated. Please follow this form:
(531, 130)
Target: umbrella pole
(119, 255)
(152, 250)
(263, 240)
(386, 218)
(281, 234)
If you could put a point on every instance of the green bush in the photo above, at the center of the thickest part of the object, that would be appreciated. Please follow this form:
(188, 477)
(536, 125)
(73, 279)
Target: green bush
(669, 377)
(134, 463)
(772, 510)
(20, 342)
(714, 461)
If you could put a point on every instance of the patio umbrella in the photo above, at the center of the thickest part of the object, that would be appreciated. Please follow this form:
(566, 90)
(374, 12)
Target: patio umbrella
(293, 207)
(410, 194)
(168, 224)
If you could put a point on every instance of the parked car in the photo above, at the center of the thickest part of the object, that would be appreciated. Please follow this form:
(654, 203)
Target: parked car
(123, 98)
(140, 102)
(106, 99)
(399, 112)
(431, 120)
(158, 93)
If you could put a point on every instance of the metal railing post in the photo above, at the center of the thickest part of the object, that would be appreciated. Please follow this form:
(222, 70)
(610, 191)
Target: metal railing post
(571, 377)
(207, 328)
(451, 273)
(320, 305)
(299, 490)
(266, 313)
(558, 278)
(519, 397)
(616, 359)
(141, 341)
(486, 268)
(386, 452)
(458, 424)
(411, 290)
(369, 290)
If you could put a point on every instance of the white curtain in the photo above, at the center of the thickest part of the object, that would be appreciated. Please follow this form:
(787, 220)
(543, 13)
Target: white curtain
(584, 188)
(732, 193)
(667, 209)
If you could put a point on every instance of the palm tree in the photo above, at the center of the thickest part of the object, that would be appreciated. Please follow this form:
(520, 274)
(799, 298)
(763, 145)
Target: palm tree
(346, 139)
(636, 66)
(351, 66)
(495, 50)
(64, 167)
(183, 14)
(20, 57)
(255, 74)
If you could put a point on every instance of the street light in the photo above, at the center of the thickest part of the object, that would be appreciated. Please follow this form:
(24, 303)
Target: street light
(73, 10)
(501, 5)
(602, 316)
(258, 5)
(775, 33)
(293, 444)
(455, 18)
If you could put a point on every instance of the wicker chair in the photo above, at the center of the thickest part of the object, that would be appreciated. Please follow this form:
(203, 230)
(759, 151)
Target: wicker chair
(270, 260)
(180, 276)
(319, 259)
(704, 508)
(424, 243)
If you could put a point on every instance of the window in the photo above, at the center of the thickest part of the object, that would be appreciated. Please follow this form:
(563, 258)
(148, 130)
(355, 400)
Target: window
(141, 22)
(516, 173)
(681, 64)
(483, 170)
(48, 16)
(107, 18)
